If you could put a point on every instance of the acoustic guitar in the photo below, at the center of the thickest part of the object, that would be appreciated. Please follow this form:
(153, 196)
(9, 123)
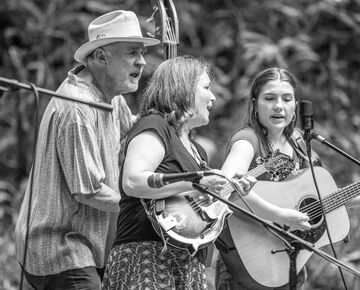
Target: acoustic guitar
(192, 220)
(256, 245)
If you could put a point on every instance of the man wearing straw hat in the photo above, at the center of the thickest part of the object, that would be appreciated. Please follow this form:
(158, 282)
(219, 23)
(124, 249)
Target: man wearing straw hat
(75, 175)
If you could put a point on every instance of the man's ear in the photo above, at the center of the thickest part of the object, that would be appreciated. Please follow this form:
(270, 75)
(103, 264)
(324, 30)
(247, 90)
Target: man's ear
(100, 56)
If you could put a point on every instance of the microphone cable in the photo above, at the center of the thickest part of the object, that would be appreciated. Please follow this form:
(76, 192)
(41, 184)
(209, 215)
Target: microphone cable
(322, 208)
(307, 124)
(36, 133)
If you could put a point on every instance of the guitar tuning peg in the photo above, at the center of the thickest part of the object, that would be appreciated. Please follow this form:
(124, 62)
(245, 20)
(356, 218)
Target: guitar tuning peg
(259, 160)
(275, 177)
(151, 17)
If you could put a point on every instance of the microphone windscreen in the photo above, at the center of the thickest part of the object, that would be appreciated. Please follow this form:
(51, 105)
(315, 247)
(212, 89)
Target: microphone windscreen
(306, 108)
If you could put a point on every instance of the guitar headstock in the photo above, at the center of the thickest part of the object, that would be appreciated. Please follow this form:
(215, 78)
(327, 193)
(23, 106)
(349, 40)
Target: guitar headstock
(279, 165)
(166, 25)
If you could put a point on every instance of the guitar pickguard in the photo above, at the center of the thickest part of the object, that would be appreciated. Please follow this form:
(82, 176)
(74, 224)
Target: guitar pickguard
(175, 220)
(312, 235)
(312, 207)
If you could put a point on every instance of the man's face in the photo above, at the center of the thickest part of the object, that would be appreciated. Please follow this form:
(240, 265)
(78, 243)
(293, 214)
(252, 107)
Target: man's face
(125, 65)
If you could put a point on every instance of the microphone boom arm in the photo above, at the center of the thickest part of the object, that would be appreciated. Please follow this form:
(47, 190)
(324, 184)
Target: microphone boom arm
(11, 85)
(323, 140)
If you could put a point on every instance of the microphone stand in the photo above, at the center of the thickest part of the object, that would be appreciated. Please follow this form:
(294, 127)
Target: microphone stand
(284, 235)
(324, 141)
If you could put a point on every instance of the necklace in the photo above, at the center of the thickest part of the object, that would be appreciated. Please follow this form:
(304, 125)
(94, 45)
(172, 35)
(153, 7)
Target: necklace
(202, 163)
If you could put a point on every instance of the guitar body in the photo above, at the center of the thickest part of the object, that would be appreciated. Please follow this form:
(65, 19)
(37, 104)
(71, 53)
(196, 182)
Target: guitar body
(190, 220)
(254, 243)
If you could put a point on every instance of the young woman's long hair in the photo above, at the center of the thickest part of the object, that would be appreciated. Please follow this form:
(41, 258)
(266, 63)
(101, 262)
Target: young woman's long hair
(260, 80)
(170, 91)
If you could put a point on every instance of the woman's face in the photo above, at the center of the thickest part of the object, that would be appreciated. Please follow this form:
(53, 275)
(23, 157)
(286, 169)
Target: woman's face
(204, 100)
(276, 106)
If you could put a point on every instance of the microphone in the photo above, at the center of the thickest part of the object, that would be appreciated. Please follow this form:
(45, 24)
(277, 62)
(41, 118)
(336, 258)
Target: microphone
(307, 120)
(306, 115)
(157, 180)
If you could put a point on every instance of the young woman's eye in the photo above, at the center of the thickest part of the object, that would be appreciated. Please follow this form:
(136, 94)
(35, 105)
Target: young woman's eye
(269, 98)
(288, 99)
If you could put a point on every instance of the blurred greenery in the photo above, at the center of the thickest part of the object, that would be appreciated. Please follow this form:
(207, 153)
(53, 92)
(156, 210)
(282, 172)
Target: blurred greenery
(316, 40)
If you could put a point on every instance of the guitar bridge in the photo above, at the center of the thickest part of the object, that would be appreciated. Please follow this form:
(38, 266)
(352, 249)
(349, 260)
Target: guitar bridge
(197, 207)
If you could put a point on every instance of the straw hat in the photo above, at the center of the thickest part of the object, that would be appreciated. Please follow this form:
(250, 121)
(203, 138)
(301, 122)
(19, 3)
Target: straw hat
(115, 26)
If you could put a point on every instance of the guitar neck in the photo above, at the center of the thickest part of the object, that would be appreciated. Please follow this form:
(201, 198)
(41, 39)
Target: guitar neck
(256, 172)
(341, 196)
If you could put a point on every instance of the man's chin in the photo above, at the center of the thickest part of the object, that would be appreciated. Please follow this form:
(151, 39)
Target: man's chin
(131, 88)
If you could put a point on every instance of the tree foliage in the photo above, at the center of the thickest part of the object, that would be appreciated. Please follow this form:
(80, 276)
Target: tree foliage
(318, 41)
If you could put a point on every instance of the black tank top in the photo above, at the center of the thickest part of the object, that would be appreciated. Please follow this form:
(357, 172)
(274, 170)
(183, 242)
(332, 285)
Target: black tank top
(133, 223)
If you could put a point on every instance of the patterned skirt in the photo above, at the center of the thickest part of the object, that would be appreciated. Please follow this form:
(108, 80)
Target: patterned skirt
(139, 265)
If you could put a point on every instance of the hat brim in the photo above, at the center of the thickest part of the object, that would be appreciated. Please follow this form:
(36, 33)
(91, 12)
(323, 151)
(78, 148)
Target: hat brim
(83, 51)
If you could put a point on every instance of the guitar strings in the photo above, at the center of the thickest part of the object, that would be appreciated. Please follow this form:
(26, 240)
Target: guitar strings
(170, 34)
(196, 205)
(331, 201)
(313, 210)
(228, 188)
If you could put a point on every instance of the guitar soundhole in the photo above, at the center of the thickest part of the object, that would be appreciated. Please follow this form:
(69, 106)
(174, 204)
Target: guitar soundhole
(313, 209)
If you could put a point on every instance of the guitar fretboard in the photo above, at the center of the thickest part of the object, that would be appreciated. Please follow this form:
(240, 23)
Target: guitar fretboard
(341, 196)
(256, 172)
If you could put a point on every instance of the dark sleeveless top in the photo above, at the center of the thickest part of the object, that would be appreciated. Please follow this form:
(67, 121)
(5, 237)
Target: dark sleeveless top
(133, 223)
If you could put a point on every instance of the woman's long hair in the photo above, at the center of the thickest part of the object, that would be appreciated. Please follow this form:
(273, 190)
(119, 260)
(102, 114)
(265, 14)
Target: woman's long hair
(170, 91)
(260, 80)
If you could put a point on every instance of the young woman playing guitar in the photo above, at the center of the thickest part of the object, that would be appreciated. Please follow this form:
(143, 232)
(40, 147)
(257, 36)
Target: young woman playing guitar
(270, 126)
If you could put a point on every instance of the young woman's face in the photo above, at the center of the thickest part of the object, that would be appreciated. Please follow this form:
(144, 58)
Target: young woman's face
(204, 100)
(276, 105)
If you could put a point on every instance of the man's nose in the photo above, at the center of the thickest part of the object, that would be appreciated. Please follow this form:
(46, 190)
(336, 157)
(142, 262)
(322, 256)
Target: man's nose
(140, 60)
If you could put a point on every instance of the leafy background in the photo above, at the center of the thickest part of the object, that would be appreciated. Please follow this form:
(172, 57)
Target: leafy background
(316, 40)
